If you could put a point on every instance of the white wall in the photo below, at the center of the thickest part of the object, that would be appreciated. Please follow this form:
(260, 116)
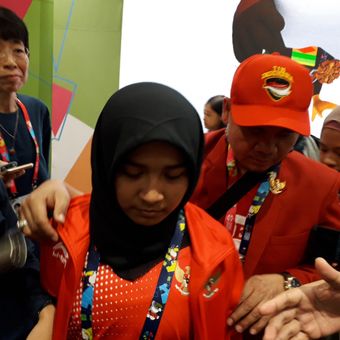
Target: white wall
(185, 44)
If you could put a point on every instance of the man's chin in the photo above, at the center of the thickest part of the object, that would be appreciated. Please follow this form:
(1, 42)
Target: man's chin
(258, 167)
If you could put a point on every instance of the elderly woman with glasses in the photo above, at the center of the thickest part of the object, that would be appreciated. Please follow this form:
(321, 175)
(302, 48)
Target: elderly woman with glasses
(25, 132)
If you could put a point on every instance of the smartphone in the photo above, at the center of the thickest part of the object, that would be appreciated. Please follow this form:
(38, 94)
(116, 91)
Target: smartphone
(5, 167)
(18, 168)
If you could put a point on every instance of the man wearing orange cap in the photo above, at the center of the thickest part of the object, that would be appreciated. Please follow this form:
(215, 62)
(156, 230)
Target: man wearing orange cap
(270, 224)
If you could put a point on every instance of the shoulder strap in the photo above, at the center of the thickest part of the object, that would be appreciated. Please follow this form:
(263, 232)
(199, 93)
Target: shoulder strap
(235, 193)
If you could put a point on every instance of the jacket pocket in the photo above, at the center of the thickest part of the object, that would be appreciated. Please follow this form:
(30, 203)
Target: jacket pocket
(284, 252)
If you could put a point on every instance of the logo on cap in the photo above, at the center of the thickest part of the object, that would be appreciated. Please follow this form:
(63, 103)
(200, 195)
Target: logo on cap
(277, 83)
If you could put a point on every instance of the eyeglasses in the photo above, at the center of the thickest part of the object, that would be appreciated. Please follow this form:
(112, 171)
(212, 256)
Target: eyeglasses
(18, 53)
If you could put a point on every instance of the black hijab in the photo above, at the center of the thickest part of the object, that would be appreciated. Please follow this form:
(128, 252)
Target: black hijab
(134, 115)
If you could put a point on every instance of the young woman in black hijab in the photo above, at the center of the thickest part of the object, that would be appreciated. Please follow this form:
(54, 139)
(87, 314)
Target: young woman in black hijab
(135, 260)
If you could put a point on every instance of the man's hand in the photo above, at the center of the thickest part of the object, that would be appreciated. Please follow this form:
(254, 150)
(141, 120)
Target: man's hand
(258, 289)
(311, 311)
(50, 199)
(257, 28)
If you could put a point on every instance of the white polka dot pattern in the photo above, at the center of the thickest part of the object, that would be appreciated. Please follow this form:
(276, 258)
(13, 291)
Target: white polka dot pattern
(120, 306)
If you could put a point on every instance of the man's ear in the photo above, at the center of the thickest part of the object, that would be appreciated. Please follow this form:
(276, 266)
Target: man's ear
(225, 110)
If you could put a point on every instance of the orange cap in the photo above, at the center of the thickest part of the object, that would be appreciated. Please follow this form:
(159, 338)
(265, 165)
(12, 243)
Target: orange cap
(274, 90)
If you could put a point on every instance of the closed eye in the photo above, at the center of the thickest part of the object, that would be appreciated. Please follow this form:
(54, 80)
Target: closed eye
(176, 173)
(131, 171)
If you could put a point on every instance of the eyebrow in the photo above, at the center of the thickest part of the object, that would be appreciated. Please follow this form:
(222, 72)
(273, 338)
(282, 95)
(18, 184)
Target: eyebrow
(16, 41)
(173, 166)
(325, 146)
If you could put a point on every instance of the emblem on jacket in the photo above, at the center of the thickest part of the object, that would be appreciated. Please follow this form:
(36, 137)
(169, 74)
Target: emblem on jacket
(59, 251)
(210, 288)
(277, 83)
(276, 186)
(183, 279)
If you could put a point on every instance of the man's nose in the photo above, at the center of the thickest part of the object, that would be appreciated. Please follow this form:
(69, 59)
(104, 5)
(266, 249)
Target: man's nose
(265, 145)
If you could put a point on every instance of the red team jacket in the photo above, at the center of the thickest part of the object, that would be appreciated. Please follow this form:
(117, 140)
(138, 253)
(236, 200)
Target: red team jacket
(283, 224)
(212, 251)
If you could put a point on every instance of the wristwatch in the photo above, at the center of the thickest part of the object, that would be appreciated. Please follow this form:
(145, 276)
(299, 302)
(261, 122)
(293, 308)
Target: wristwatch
(290, 281)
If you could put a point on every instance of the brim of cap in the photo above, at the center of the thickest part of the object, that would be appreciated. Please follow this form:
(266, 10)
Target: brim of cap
(259, 115)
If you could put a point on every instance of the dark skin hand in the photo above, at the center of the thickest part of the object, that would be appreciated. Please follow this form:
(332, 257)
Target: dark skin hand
(256, 29)
(257, 290)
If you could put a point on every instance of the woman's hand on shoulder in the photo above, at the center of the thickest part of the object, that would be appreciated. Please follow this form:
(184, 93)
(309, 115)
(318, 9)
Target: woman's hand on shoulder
(50, 200)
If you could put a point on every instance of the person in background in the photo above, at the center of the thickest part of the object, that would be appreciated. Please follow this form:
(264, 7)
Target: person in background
(271, 223)
(311, 311)
(26, 309)
(134, 258)
(308, 146)
(25, 130)
(216, 111)
(330, 140)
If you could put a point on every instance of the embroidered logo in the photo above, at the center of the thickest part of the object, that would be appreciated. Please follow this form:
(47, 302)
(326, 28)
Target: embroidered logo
(277, 83)
(276, 186)
(60, 252)
(210, 288)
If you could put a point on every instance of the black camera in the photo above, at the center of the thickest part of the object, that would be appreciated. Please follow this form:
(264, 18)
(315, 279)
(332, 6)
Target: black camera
(324, 242)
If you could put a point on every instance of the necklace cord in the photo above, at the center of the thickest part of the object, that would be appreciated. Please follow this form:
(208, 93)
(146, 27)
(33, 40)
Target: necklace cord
(15, 130)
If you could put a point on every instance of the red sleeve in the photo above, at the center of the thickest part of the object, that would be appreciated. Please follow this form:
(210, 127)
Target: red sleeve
(53, 259)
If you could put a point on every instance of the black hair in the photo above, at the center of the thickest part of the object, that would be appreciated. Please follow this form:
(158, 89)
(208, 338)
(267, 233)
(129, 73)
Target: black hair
(12, 27)
(216, 103)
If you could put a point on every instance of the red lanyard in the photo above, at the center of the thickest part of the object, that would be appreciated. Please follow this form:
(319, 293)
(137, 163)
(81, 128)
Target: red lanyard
(5, 155)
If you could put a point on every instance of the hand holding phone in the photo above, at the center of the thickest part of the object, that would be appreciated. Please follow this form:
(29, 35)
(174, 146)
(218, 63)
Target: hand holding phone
(5, 166)
(16, 169)
(10, 171)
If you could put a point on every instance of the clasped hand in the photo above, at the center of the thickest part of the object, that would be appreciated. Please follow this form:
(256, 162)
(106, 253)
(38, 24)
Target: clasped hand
(257, 290)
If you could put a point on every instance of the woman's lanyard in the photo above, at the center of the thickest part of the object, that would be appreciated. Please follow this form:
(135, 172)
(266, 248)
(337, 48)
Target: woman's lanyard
(161, 294)
(5, 155)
